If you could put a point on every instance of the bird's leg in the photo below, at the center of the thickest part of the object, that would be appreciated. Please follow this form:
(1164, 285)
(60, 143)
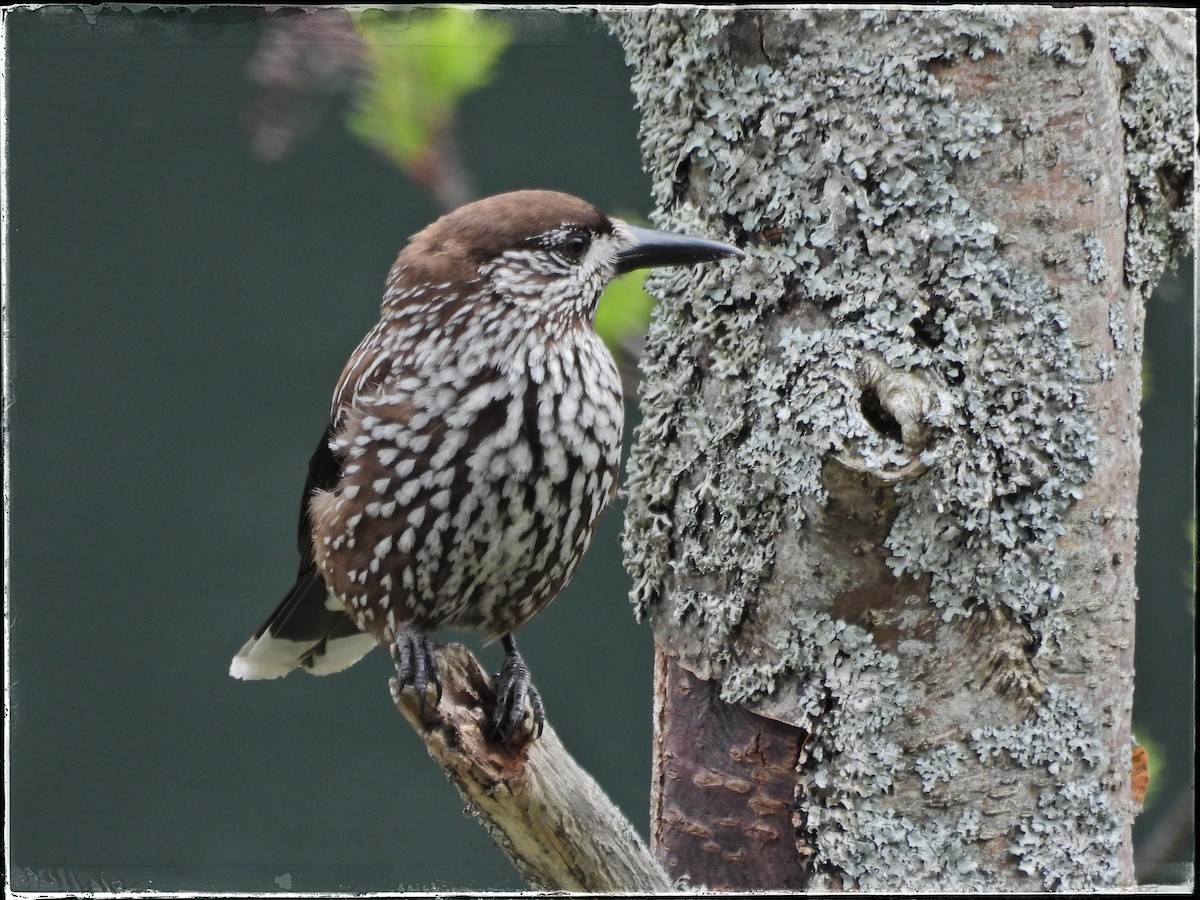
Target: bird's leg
(416, 664)
(513, 688)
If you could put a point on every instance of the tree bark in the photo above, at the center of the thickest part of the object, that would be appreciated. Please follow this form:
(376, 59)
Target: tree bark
(553, 822)
(883, 498)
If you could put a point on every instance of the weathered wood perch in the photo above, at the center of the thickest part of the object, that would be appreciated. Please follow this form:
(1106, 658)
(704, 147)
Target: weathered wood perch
(548, 816)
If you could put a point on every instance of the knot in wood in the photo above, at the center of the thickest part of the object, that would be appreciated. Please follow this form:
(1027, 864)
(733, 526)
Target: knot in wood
(897, 405)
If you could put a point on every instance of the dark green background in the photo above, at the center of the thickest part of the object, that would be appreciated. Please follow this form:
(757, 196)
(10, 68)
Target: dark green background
(178, 313)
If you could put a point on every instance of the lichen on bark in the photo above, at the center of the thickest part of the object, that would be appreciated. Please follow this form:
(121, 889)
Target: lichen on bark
(861, 449)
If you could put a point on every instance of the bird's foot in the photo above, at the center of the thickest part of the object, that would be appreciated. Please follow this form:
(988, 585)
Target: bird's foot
(513, 687)
(416, 665)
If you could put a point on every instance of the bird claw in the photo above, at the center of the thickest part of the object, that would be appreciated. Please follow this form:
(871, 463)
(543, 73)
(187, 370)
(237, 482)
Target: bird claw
(416, 665)
(513, 688)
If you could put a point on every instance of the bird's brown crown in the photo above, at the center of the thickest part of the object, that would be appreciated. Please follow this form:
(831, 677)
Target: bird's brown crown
(486, 228)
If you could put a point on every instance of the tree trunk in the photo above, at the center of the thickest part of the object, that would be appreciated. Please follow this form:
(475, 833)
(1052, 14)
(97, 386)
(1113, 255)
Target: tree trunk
(882, 500)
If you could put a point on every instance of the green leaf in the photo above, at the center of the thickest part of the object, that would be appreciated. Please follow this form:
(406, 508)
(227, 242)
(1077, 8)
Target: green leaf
(421, 63)
(624, 310)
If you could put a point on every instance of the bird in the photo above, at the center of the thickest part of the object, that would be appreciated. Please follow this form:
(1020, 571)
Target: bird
(472, 444)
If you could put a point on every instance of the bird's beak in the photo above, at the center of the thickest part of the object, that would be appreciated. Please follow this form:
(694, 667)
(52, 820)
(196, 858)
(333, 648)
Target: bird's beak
(662, 248)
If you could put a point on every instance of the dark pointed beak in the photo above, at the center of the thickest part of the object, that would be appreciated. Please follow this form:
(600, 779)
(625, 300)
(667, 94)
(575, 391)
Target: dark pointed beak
(662, 248)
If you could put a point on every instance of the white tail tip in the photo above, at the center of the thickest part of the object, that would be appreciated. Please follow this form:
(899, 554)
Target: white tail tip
(269, 657)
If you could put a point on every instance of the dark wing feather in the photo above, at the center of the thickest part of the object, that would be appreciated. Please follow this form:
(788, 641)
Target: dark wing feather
(302, 615)
(324, 470)
(303, 626)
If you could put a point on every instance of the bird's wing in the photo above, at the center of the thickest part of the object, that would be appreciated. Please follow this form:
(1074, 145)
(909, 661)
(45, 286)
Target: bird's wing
(367, 368)
(309, 628)
(324, 470)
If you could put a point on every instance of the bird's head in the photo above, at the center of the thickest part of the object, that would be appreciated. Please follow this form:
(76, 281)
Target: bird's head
(542, 252)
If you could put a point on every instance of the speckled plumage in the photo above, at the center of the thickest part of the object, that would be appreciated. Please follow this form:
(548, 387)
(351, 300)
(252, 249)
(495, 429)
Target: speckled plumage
(473, 443)
(480, 428)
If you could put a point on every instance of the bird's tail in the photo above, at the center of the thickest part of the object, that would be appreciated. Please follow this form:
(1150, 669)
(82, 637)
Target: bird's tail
(309, 629)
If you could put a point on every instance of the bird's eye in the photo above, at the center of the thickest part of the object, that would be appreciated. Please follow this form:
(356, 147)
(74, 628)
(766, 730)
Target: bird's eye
(575, 244)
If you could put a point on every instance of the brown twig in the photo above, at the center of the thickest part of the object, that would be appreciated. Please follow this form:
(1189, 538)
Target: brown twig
(546, 814)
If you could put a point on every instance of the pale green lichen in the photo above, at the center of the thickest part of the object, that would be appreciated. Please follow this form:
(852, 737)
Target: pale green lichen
(835, 168)
(927, 258)
(885, 851)
(1063, 737)
(938, 764)
(1015, 457)
(1097, 259)
(1070, 841)
(1158, 111)
(1067, 43)
(1118, 326)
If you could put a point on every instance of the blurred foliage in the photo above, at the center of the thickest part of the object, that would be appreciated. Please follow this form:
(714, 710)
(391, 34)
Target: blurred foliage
(420, 64)
(1153, 758)
(1139, 775)
(624, 311)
